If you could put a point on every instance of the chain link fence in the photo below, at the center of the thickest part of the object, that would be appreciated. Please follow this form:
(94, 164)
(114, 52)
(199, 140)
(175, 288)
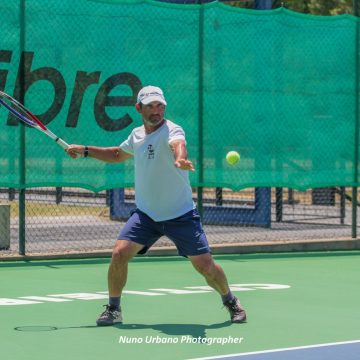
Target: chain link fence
(279, 87)
(77, 221)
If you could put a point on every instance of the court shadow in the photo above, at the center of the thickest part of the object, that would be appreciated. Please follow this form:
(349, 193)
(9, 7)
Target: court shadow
(40, 328)
(194, 330)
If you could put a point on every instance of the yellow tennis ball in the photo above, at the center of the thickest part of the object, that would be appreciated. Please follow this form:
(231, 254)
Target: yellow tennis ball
(232, 157)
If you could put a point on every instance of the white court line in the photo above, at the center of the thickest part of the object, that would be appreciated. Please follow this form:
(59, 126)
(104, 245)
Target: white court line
(278, 350)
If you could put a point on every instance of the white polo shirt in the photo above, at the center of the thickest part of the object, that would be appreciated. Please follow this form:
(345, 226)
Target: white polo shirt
(162, 191)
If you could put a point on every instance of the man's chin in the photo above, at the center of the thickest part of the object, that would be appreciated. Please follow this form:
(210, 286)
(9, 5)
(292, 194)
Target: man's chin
(154, 123)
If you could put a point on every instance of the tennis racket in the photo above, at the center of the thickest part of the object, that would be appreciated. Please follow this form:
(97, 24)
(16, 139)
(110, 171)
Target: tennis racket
(28, 118)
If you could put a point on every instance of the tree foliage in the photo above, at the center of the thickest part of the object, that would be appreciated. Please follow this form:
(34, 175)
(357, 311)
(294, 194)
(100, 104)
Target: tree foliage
(315, 7)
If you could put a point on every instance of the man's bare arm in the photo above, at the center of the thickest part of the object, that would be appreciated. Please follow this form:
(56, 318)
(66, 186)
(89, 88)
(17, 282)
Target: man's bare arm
(178, 147)
(108, 154)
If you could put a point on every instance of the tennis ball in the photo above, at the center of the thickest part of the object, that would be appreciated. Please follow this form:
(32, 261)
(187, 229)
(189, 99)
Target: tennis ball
(232, 157)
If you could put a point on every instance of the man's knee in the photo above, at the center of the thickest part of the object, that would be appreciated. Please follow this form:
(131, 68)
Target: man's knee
(205, 265)
(123, 251)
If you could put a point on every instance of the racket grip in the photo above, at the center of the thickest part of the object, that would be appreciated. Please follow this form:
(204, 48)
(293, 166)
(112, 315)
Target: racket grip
(62, 143)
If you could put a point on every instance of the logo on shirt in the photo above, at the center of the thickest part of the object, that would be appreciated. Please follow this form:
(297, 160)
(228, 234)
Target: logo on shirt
(151, 152)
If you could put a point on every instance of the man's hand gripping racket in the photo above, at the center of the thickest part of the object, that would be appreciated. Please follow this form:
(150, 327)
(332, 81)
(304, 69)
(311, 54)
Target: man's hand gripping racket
(28, 118)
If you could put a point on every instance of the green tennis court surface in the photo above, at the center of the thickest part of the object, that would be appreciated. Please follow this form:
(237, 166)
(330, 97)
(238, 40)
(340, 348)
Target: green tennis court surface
(296, 303)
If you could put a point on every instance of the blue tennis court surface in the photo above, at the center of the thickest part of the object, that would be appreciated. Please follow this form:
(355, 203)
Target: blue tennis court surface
(349, 350)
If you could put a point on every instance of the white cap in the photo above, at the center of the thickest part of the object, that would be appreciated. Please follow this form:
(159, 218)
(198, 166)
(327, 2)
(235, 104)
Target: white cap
(149, 94)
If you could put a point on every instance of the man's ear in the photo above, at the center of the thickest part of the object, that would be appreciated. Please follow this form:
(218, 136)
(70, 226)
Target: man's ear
(138, 108)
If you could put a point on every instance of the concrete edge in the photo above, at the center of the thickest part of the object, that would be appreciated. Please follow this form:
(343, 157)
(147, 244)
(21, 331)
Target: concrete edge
(340, 244)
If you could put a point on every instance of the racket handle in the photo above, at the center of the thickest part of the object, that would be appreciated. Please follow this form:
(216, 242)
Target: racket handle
(62, 143)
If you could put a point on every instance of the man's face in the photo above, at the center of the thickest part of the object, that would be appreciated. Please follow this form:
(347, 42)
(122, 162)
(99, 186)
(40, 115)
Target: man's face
(152, 114)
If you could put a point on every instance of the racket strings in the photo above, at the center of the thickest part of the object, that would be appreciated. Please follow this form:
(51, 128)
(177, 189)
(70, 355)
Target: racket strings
(28, 118)
(21, 113)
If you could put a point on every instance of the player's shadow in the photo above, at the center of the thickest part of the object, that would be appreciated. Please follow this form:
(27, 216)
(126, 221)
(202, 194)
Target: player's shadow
(194, 330)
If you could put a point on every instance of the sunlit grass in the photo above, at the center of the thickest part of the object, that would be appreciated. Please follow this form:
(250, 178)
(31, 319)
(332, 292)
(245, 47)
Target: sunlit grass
(41, 209)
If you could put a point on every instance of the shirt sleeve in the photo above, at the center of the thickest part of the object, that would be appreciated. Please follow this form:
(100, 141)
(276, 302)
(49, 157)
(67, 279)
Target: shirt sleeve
(127, 145)
(176, 133)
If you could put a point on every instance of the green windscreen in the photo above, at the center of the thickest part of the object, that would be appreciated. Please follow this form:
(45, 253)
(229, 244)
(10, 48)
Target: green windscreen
(278, 87)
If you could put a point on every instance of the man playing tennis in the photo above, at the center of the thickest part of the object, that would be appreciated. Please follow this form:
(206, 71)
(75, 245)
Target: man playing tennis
(164, 203)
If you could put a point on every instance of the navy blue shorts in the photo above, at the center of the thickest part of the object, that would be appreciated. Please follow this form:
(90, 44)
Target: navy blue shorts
(185, 232)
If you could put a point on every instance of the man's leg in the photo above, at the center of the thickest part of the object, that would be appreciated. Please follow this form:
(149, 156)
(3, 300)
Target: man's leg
(123, 252)
(216, 278)
(213, 273)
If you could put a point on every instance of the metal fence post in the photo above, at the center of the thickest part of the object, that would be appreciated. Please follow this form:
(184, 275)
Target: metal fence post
(356, 149)
(22, 157)
(201, 110)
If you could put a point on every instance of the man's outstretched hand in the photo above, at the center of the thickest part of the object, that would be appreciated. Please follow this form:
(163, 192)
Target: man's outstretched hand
(184, 164)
